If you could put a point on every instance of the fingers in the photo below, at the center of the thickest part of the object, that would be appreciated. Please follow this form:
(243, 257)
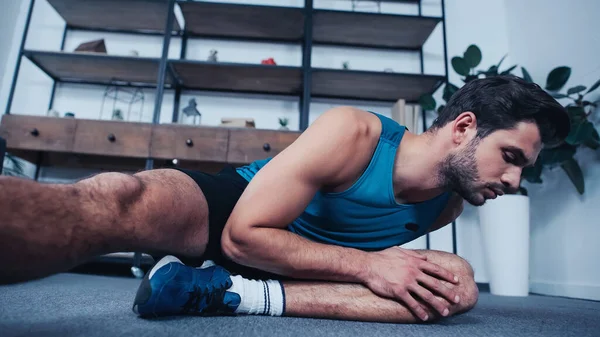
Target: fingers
(414, 306)
(428, 297)
(437, 286)
(413, 254)
(439, 272)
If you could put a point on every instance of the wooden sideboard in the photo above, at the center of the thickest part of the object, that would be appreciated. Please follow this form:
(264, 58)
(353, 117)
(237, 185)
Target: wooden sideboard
(115, 145)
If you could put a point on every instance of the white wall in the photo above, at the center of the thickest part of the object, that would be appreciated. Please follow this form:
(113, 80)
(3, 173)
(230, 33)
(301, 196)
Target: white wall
(565, 226)
(11, 10)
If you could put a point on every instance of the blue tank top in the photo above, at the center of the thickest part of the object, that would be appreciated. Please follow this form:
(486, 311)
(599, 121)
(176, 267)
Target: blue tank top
(366, 216)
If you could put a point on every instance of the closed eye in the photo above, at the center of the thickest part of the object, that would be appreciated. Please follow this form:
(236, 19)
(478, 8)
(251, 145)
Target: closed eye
(515, 156)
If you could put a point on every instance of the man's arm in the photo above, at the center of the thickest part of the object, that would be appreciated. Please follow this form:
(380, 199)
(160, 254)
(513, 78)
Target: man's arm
(450, 213)
(331, 151)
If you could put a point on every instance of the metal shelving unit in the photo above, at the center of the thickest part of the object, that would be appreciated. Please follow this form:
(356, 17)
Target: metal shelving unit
(304, 26)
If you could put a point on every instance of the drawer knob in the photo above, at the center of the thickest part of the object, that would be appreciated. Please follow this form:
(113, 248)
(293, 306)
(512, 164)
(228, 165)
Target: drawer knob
(111, 137)
(267, 147)
(35, 132)
(189, 143)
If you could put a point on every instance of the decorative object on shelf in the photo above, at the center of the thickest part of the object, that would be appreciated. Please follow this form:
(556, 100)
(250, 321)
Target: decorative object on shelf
(238, 122)
(123, 99)
(192, 111)
(283, 122)
(96, 46)
(212, 57)
(53, 113)
(69, 115)
(388, 70)
(269, 61)
(366, 4)
(134, 53)
(11, 166)
(346, 65)
(117, 115)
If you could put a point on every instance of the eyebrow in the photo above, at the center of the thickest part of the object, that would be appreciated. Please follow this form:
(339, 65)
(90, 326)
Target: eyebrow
(521, 158)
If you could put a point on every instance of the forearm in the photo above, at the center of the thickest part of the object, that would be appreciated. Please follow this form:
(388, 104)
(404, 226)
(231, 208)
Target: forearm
(285, 253)
(358, 303)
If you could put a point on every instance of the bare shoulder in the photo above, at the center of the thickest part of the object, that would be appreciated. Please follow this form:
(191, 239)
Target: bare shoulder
(335, 146)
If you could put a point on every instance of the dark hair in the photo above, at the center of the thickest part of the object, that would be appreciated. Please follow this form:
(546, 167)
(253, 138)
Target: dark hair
(500, 102)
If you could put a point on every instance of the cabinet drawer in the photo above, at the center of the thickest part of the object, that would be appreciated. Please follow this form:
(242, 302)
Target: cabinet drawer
(189, 143)
(38, 133)
(246, 146)
(122, 139)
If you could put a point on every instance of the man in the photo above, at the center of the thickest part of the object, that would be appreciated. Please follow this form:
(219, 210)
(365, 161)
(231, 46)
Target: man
(313, 231)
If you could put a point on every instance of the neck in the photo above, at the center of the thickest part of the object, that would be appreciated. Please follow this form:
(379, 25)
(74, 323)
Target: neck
(416, 168)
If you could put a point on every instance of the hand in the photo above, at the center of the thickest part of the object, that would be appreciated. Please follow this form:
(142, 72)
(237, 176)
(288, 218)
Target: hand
(400, 274)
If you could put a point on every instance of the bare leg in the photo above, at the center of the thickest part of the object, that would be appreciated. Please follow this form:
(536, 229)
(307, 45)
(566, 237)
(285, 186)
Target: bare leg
(50, 228)
(357, 302)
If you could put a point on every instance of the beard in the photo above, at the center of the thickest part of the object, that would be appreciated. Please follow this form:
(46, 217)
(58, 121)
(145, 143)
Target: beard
(458, 173)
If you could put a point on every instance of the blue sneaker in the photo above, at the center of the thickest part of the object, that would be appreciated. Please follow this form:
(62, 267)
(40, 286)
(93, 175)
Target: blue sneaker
(172, 288)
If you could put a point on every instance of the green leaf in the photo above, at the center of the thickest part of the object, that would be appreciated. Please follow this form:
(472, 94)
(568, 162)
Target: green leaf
(492, 71)
(557, 155)
(501, 60)
(533, 174)
(558, 95)
(472, 56)
(449, 90)
(427, 102)
(573, 170)
(576, 89)
(576, 114)
(557, 78)
(440, 108)
(594, 87)
(526, 75)
(460, 66)
(523, 190)
(580, 133)
(594, 141)
(470, 78)
(507, 71)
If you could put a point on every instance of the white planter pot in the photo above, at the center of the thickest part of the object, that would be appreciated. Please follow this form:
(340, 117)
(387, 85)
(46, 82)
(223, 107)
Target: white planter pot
(505, 229)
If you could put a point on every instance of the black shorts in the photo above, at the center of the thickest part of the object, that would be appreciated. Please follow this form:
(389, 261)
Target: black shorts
(222, 191)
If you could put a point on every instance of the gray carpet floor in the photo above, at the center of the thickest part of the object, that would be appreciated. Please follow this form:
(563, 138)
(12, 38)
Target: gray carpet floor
(91, 305)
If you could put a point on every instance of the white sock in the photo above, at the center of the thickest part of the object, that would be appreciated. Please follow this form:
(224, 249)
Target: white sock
(258, 297)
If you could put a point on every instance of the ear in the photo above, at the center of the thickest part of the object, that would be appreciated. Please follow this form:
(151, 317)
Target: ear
(464, 127)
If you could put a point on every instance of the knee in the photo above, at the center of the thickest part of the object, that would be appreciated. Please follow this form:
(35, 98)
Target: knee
(117, 192)
(468, 286)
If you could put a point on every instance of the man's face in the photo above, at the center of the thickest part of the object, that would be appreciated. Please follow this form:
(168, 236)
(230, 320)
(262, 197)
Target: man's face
(486, 168)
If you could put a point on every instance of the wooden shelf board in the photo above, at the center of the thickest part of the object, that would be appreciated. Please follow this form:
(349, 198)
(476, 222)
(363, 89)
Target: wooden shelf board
(130, 15)
(367, 85)
(97, 67)
(372, 29)
(243, 78)
(256, 22)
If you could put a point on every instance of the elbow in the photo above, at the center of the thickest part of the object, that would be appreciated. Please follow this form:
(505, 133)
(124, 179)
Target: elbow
(234, 244)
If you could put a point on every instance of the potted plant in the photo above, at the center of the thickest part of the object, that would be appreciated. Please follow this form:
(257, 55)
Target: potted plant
(283, 122)
(583, 133)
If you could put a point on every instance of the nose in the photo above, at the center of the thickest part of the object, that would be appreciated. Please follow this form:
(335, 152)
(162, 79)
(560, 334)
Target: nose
(512, 179)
